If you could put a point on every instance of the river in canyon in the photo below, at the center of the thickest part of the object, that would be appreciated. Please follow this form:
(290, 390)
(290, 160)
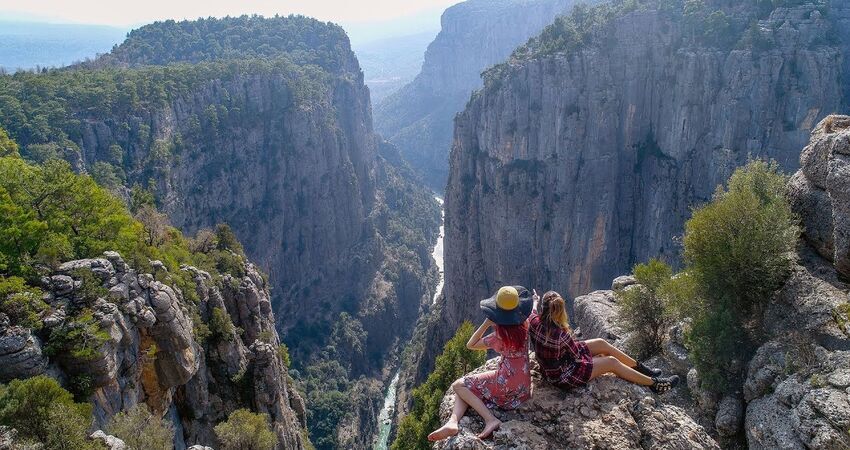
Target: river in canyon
(385, 421)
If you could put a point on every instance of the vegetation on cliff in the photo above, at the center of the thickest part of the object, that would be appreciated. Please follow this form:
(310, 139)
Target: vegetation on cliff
(43, 412)
(139, 429)
(706, 23)
(44, 112)
(52, 215)
(305, 40)
(738, 250)
(644, 309)
(455, 361)
(245, 430)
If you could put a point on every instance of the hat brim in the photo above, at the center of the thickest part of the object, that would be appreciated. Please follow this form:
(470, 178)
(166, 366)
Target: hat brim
(515, 316)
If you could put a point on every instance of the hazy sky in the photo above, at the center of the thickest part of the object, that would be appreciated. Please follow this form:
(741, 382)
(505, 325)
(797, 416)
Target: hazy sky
(126, 13)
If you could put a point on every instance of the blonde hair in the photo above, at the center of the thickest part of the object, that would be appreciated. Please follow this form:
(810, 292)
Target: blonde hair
(554, 310)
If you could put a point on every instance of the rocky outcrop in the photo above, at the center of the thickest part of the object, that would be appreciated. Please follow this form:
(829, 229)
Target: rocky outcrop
(820, 191)
(607, 413)
(798, 383)
(141, 344)
(108, 441)
(475, 35)
(20, 352)
(571, 166)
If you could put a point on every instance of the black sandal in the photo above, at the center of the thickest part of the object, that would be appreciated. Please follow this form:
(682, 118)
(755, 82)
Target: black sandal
(662, 385)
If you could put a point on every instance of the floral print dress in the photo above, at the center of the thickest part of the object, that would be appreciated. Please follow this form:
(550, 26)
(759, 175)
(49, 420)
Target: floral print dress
(509, 385)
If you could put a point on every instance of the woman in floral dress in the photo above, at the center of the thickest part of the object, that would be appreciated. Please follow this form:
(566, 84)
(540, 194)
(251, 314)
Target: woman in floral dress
(509, 385)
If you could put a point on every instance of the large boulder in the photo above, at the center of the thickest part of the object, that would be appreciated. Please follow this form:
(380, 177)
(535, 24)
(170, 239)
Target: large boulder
(798, 383)
(595, 315)
(820, 191)
(607, 413)
(20, 352)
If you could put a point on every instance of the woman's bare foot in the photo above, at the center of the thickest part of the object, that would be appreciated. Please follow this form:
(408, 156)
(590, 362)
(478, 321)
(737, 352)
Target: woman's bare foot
(489, 428)
(446, 431)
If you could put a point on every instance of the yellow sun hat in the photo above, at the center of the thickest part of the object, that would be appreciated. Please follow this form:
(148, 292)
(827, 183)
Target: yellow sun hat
(510, 306)
(507, 298)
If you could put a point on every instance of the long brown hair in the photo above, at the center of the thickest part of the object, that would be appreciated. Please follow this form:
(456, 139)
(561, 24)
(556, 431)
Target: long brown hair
(553, 310)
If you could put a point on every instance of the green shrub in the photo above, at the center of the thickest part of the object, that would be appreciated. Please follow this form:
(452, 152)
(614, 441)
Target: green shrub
(714, 340)
(140, 430)
(220, 325)
(226, 239)
(67, 429)
(90, 288)
(643, 309)
(8, 147)
(741, 245)
(23, 304)
(80, 337)
(43, 412)
(283, 352)
(739, 250)
(455, 361)
(245, 430)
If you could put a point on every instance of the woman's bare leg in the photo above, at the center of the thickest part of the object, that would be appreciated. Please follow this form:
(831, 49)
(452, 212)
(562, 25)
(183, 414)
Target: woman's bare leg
(467, 398)
(491, 423)
(610, 364)
(599, 347)
(451, 427)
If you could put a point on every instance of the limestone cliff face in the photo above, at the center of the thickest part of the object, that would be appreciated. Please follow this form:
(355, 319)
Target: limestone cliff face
(570, 166)
(293, 179)
(475, 35)
(149, 350)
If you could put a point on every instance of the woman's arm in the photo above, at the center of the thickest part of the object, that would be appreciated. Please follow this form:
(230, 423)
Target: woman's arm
(536, 299)
(476, 342)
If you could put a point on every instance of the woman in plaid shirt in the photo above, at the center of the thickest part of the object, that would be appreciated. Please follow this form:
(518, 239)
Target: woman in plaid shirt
(569, 363)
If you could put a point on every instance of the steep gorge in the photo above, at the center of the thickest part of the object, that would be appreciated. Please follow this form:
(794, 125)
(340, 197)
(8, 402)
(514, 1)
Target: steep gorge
(475, 35)
(584, 152)
(264, 124)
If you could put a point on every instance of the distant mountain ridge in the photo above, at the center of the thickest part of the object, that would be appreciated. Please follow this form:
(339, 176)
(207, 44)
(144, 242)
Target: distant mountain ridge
(304, 40)
(27, 45)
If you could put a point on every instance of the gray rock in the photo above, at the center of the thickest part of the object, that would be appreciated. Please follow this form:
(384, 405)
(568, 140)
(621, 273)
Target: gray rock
(20, 353)
(7, 438)
(730, 416)
(108, 441)
(607, 413)
(820, 191)
(705, 399)
(623, 281)
(61, 284)
(595, 314)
